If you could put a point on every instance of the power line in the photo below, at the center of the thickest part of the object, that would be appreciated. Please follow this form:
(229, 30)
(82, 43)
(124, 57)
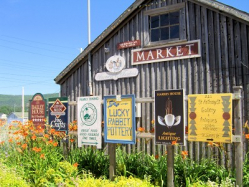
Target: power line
(37, 42)
(35, 47)
(33, 52)
(42, 82)
(20, 75)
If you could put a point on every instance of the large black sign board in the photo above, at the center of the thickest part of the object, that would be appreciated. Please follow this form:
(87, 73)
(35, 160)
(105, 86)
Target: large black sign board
(169, 116)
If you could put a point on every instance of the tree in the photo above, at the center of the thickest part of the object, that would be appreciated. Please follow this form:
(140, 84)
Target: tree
(5, 110)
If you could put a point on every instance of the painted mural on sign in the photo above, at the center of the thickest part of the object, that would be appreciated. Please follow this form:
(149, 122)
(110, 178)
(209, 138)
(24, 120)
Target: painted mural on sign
(120, 119)
(89, 121)
(37, 111)
(210, 117)
(58, 113)
(169, 112)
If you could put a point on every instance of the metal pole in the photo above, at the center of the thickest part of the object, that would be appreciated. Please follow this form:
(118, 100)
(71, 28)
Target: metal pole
(238, 132)
(88, 12)
(89, 54)
(23, 104)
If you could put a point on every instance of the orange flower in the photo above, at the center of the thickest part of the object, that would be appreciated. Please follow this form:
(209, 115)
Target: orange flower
(174, 142)
(2, 142)
(42, 156)
(31, 128)
(52, 131)
(70, 127)
(141, 129)
(75, 128)
(71, 140)
(24, 146)
(10, 126)
(18, 143)
(17, 138)
(57, 133)
(36, 149)
(166, 152)
(247, 136)
(10, 140)
(156, 156)
(55, 144)
(33, 137)
(210, 144)
(46, 135)
(75, 165)
(184, 152)
(50, 141)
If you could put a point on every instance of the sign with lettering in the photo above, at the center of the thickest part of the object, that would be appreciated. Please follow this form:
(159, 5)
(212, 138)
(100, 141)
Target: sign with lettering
(115, 66)
(210, 117)
(177, 51)
(89, 121)
(169, 112)
(37, 111)
(120, 119)
(58, 113)
(129, 44)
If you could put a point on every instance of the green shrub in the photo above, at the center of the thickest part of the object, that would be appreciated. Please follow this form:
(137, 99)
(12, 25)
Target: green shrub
(9, 177)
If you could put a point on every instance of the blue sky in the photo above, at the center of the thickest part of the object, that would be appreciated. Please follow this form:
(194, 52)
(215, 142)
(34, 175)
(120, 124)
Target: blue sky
(39, 38)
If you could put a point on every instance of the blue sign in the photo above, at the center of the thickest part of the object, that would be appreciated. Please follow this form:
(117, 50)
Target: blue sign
(58, 113)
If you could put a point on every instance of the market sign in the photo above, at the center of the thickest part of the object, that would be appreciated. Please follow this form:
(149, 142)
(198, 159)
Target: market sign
(129, 44)
(115, 66)
(89, 121)
(119, 114)
(190, 49)
(37, 111)
(169, 112)
(58, 113)
(210, 117)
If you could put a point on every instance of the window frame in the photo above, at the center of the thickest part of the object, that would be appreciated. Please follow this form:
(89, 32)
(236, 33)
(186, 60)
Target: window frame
(160, 11)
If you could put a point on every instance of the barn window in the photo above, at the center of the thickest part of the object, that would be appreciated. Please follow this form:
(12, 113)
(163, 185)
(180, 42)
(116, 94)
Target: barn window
(165, 24)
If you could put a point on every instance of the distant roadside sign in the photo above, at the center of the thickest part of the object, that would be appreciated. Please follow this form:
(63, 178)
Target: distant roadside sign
(58, 113)
(210, 117)
(37, 111)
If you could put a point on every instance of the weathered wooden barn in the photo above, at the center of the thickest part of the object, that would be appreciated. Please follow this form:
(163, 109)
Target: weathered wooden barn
(200, 46)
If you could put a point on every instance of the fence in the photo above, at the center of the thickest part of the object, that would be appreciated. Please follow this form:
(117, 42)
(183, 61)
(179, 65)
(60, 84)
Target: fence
(228, 155)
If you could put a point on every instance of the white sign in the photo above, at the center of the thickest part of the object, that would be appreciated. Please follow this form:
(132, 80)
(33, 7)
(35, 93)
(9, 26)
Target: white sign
(133, 72)
(115, 64)
(89, 121)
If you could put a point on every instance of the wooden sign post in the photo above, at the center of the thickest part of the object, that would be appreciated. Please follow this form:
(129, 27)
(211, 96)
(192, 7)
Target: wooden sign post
(238, 134)
(119, 115)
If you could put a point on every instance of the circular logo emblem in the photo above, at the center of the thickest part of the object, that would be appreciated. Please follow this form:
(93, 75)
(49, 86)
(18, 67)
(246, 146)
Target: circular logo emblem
(88, 114)
(115, 64)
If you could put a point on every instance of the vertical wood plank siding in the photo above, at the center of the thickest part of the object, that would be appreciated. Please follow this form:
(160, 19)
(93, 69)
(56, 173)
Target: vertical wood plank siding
(222, 65)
